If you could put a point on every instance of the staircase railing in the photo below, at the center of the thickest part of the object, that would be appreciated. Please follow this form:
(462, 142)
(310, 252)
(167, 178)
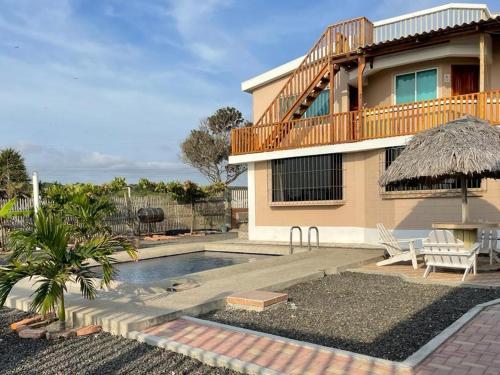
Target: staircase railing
(337, 40)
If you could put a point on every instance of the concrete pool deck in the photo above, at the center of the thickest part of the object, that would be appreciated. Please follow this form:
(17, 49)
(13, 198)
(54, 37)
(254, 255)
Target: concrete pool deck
(124, 309)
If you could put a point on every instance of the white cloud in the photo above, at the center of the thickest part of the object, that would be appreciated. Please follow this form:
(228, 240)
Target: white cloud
(65, 165)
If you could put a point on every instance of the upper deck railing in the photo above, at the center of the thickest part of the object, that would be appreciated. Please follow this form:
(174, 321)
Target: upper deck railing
(368, 123)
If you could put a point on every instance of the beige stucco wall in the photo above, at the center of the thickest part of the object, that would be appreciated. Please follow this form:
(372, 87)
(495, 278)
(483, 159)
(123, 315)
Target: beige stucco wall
(379, 89)
(494, 69)
(364, 205)
(263, 96)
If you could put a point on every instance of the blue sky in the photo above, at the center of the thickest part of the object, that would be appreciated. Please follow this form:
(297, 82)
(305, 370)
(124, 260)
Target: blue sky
(98, 88)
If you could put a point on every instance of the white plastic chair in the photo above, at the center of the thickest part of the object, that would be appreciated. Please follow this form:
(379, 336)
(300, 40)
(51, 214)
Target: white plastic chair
(489, 243)
(443, 250)
(396, 252)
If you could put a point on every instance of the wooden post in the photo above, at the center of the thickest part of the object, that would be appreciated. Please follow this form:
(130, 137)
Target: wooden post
(482, 62)
(361, 70)
(36, 193)
(333, 70)
(465, 203)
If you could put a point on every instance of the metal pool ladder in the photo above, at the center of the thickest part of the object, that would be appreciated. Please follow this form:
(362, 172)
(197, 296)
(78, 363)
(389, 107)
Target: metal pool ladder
(309, 237)
(291, 237)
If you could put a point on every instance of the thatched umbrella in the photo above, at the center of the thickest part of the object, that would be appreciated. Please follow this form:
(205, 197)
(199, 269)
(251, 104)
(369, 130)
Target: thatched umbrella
(462, 149)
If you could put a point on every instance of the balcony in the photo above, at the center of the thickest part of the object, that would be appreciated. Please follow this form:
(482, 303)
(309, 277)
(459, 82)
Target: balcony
(366, 124)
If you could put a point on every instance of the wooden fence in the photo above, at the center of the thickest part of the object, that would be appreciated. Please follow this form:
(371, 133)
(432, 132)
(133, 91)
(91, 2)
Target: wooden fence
(209, 215)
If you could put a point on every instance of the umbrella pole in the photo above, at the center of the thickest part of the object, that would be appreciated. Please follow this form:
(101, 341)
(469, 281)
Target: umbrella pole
(465, 203)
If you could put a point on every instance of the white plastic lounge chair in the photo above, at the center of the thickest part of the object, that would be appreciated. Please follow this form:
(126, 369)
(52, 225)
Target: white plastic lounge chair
(442, 249)
(396, 252)
(489, 243)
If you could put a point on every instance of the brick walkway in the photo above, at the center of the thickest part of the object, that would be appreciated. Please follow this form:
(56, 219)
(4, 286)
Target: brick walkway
(473, 350)
(483, 278)
(281, 356)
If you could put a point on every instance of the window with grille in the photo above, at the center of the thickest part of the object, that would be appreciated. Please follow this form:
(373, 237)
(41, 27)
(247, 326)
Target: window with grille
(310, 178)
(391, 153)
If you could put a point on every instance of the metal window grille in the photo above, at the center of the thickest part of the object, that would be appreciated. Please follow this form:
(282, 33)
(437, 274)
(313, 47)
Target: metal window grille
(391, 153)
(310, 178)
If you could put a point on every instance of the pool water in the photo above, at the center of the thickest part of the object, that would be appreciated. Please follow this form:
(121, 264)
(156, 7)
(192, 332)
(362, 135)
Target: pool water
(149, 270)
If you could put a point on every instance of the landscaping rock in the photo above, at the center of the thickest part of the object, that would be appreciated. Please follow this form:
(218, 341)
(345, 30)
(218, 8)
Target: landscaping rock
(88, 330)
(56, 326)
(26, 322)
(41, 324)
(380, 316)
(30, 333)
(90, 355)
(55, 335)
(20, 328)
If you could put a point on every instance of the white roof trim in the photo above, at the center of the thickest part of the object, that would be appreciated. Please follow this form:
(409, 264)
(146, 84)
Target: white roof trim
(282, 70)
(370, 144)
(271, 75)
(433, 10)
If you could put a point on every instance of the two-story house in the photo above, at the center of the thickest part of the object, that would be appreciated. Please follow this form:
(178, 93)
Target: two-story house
(327, 124)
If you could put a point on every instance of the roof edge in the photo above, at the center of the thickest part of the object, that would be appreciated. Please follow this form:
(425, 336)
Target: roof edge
(432, 10)
(283, 70)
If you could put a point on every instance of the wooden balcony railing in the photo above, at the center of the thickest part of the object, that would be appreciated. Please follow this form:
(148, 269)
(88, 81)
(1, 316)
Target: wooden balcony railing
(368, 123)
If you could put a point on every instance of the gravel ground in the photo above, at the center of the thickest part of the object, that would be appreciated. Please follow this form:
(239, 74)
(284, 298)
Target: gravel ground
(97, 354)
(381, 316)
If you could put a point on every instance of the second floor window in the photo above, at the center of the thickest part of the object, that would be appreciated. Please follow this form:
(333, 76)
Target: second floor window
(309, 178)
(417, 86)
(391, 153)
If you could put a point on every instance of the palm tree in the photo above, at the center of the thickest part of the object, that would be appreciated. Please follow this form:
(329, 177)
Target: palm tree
(6, 209)
(45, 253)
(89, 213)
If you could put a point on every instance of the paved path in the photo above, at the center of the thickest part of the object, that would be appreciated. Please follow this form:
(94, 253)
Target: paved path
(442, 276)
(472, 350)
(267, 353)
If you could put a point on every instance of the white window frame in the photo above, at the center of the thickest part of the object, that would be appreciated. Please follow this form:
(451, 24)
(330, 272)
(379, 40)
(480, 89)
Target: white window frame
(414, 72)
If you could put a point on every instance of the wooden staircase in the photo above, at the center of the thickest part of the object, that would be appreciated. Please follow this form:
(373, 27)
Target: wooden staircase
(314, 74)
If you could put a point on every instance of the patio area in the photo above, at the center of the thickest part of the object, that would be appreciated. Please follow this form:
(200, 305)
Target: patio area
(487, 276)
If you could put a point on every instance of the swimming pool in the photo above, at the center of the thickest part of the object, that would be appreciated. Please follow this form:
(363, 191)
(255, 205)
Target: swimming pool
(150, 270)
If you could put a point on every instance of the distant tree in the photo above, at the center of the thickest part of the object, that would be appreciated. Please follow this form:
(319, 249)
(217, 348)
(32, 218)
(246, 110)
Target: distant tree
(117, 184)
(145, 185)
(14, 179)
(186, 193)
(208, 147)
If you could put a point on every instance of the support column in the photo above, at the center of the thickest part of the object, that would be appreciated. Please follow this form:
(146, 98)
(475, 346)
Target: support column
(333, 71)
(361, 69)
(36, 193)
(482, 62)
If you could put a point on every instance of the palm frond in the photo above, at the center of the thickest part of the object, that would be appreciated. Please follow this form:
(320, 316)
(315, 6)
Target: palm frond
(5, 211)
(47, 295)
(11, 274)
(84, 276)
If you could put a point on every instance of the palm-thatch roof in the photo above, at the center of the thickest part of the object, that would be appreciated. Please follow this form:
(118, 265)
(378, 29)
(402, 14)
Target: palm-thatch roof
(467, 146)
